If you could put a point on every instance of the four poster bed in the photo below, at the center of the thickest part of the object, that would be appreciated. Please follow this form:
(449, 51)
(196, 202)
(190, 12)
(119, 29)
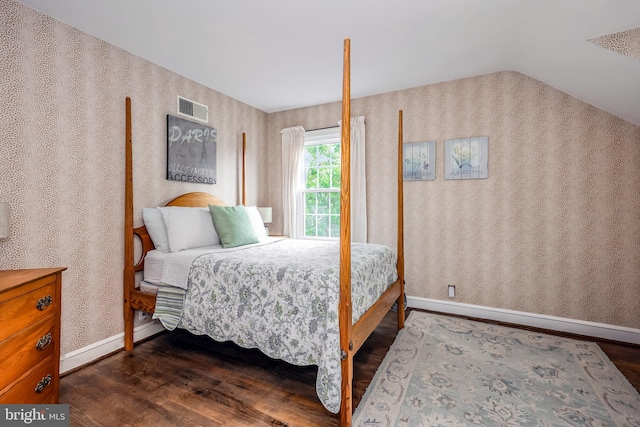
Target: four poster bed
(315, 310)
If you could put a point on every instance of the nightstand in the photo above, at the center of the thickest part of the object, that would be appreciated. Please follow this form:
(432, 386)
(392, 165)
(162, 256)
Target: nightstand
(30, 335)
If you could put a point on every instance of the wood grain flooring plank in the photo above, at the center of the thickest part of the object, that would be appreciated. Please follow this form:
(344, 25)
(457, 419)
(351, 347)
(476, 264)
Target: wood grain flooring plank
(178, 379)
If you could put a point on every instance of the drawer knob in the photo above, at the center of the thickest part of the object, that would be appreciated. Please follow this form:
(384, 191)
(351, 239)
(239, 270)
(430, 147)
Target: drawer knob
(44, 382)
(44, 342)
(44, 302)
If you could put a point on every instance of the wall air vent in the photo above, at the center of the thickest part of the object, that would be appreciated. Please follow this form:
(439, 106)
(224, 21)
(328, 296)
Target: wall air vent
(193, 109)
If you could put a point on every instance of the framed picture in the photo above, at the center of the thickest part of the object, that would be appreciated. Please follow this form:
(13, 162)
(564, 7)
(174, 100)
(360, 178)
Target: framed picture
(191, 151)
(466, 158)
(419, 161)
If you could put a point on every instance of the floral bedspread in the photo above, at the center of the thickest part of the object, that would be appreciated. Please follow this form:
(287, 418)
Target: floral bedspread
(282, 298)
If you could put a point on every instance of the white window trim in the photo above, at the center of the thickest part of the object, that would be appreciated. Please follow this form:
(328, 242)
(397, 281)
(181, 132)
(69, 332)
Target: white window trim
(330, 135)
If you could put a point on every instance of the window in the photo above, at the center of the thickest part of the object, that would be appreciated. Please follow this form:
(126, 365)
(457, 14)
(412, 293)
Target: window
(321, 195)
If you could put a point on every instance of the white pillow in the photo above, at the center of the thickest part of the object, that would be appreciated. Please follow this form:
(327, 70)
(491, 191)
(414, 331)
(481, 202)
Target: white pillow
(155, 227)
(188, 228)
(256, 222)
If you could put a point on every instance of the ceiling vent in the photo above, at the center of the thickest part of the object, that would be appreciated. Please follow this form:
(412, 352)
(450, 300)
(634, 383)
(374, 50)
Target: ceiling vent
(193, 109)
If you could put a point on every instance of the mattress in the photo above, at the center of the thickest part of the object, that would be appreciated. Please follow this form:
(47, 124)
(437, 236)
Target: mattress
(153, 264)
(149, 287)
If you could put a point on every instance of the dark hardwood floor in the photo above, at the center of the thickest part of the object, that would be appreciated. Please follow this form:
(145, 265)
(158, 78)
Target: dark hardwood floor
(177, 379)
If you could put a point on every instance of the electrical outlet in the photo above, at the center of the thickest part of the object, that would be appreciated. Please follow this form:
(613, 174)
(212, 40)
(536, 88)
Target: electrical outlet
(142, 315)
(452, 291)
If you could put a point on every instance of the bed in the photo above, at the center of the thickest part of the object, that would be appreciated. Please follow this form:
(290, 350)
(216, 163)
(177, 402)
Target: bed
(314, 311)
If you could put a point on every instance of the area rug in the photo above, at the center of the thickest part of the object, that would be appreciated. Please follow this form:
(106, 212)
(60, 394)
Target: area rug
(447, 371)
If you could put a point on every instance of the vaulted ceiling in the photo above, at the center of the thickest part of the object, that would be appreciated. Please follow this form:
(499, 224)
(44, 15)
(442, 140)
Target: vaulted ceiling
(281, 54)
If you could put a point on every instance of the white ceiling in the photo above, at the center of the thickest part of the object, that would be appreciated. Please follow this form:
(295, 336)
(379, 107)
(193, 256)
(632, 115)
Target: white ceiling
(281, 54)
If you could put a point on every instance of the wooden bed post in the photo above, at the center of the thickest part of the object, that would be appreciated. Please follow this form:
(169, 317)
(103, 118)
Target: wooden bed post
(129, 273)
(345, 315)
(244, 168)
(400, 266)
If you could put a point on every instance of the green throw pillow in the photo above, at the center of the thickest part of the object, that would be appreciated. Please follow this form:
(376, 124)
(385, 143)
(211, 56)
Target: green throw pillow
(233, 225)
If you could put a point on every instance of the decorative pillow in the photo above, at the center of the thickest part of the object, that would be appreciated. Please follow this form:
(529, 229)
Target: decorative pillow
(256, 222)
(233, 225)
(188, 228)
(155, 227)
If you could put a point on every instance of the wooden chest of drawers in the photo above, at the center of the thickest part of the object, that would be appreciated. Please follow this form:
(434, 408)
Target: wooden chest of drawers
(30, 335)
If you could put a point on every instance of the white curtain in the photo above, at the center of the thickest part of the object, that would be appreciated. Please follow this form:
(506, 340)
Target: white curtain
(292, 179)
(358, 182)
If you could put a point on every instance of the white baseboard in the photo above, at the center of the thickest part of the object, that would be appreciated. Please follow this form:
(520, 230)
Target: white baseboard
(579, 327)
(99, 349)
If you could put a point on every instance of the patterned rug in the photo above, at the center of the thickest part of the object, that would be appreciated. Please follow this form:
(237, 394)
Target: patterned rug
(446, 371)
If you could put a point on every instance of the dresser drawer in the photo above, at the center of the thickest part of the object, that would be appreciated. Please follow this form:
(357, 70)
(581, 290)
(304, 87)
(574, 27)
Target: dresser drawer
(24, 350)
(26, 391)
(21, 311)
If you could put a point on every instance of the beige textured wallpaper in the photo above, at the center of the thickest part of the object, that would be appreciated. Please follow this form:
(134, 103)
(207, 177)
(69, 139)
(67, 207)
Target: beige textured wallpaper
(62, 158)
(554, 230)
(624, 42)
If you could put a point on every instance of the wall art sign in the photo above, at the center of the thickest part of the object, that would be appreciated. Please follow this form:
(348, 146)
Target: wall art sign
(466, 158)
(191, 151)
(419, 161)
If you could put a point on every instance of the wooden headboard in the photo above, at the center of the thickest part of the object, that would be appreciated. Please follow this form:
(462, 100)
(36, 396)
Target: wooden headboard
(197, 199)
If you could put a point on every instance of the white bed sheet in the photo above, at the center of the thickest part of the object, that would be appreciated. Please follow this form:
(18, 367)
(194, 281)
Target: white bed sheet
(172, 268)
(153, 262)
(150, 288)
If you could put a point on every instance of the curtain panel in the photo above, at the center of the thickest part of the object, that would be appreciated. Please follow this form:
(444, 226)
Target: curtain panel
(292, 179)
(358, 181)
